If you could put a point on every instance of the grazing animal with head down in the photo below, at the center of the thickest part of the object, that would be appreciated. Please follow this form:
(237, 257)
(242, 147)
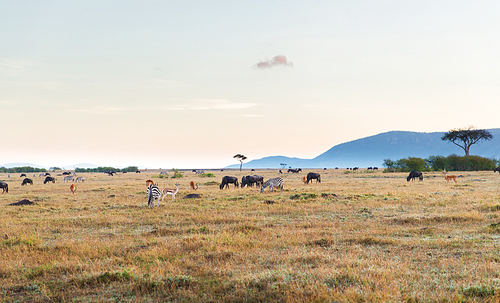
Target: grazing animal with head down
(169, 191)
(313, 176)
(154, 193)
(304, 179)
(73, 188)
(449, 177)
(415, 174)
(27, 181)
(294, 171)
(68, 178)
(80, 179)
(193, 185)
(4, 186)
(49, 179)
(228, 179)
(22, 175)
(496, 169)
(150, 182)
(272, 183)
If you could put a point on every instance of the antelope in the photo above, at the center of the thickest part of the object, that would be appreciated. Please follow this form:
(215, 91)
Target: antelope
(450, 177)
(304, 179)
(73, 188)
(192, 185)
(169, 191)
(150, 182)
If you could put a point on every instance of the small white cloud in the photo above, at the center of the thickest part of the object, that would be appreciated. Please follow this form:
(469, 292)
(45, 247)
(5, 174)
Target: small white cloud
(204, 104)
(279, 60)
(253, 116)
(13, 64)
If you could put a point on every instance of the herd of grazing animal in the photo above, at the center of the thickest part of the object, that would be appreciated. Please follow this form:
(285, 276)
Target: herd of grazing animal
(154, 193)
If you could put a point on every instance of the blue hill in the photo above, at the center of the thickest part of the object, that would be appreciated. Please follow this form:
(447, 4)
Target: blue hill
(371, 151)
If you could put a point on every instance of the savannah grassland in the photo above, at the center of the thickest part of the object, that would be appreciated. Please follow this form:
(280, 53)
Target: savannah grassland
(356, 237)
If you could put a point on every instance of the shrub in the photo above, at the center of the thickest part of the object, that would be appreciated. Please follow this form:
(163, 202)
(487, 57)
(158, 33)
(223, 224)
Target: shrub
(177, 174)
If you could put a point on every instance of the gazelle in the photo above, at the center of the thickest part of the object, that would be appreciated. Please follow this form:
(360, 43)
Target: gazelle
(73, 188)
(169, 191)
(150, 182)
(192, 185)
(450, 177)
(304, 179)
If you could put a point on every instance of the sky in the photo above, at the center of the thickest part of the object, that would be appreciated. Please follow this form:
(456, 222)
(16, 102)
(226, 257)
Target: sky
(190, 84)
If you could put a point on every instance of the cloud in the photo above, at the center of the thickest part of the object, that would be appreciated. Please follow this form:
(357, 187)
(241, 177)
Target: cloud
(279, 60)
(101, 110)
(13, 64)
(204, 104)
(253, 116)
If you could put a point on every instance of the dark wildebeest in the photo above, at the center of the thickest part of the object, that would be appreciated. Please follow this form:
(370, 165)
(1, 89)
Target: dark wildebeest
(66, 173)
(27, 181)
(22, 175)
(49, 179)
(251, 180)
(311, 176)
(47, 174)
(259, 180)
(295, 171)
(4, 186)
(226, 180)
(496, 169)
(415, 174)
(110, 172)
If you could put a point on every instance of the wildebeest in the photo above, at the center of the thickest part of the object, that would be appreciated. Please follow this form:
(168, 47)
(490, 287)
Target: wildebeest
(22, 175)
(251, 180)
(110, 172)
(228, 179)
(66, 173)
(295, 171)
(27, 181)
(496, 169)
(49, 179)
(47, 174)
(4, 186)
(415, 174)
(311, 176)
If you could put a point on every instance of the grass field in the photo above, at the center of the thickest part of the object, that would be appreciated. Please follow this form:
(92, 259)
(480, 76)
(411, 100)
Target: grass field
(355, 237)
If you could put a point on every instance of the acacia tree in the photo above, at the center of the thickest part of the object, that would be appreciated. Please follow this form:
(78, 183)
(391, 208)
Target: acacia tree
(240, 158)
(466, 137)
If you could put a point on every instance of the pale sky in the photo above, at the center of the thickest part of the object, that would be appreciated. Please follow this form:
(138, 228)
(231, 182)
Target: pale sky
(189, 84)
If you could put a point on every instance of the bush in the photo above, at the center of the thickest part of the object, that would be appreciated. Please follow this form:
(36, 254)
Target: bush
(177, 173)
(439, 163)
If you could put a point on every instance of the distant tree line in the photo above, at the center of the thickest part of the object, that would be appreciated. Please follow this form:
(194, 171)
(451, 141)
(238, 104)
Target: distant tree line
(23, 169)
(102, 169)
(438, 163)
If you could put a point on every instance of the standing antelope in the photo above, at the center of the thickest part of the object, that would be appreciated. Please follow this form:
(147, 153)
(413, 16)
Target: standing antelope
(450, 177)
(169, 191)
(73, 188)
(192, 185)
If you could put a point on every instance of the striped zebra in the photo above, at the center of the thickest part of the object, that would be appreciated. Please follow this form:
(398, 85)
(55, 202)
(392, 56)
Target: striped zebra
(68, 178)
(275, 182)
(154, 193)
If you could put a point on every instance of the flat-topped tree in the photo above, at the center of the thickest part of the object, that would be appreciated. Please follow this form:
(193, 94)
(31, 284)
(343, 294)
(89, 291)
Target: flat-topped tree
(240, 158)
(466, 137)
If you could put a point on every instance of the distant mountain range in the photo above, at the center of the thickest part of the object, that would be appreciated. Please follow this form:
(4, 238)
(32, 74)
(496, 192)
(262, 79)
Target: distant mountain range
(371, 151)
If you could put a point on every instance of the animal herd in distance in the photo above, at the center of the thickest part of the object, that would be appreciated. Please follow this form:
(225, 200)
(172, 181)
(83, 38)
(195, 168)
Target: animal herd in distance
(154, 193)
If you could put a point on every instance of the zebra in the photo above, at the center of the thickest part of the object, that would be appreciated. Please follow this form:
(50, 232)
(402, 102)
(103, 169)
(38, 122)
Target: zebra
(79, 179)
(154, 193)
(275, 182)
(68, 178)
(199, 172)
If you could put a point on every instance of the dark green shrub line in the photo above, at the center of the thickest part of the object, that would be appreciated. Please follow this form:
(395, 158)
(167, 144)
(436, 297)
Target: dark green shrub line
(439, 163)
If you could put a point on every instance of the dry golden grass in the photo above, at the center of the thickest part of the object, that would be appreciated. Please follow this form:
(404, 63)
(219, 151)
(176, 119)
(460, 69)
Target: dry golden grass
(356, 237)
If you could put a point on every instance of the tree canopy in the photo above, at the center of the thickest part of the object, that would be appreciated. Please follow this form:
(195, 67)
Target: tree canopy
(466, 137)
(240, 158)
